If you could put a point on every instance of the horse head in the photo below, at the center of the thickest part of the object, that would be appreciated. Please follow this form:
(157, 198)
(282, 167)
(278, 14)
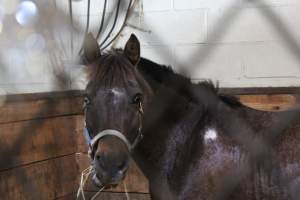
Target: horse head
(116, 95)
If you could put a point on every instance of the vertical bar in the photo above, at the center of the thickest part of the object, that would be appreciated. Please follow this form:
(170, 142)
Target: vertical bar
(72, 25)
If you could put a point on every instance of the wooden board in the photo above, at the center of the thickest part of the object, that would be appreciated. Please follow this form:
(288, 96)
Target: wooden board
(40, 181)
(260, 90)
(67, 197)
(271, 102)
(40, 134)
(42, 95)
(115, 196)
(108, 196)
(27, 110)
(30, 141)
(82, 146)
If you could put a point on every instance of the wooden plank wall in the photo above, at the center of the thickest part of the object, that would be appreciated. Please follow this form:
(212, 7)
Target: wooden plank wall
(42, 150)
(38, 146)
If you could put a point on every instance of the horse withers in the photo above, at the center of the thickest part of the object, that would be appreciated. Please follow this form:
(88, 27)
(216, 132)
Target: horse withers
(189, 141)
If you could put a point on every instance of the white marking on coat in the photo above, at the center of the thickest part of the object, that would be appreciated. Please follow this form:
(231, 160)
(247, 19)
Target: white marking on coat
(117, 95)
(117, 92)
(210, 134)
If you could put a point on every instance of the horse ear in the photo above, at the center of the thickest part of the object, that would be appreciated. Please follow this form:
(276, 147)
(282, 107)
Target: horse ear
(132, 50)
(91, 49)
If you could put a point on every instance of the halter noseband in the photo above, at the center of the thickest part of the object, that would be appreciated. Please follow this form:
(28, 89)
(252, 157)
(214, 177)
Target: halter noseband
(110, 132)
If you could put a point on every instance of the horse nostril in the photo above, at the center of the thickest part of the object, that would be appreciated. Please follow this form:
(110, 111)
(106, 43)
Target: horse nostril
(123, 166)
(97, 157)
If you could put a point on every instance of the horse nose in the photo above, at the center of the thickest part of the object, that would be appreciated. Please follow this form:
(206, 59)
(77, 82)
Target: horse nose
(111, 161)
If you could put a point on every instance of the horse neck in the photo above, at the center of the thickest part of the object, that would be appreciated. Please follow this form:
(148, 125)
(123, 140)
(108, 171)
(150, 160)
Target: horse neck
(268, 125)
(169, 123)
(156, 74)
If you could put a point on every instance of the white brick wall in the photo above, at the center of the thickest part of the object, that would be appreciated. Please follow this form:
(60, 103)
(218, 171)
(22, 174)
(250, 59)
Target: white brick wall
(158, 5)
(248, 50)
(222, 63)
(172, 27)
(161, 54)
(253, 24)
(239, 43)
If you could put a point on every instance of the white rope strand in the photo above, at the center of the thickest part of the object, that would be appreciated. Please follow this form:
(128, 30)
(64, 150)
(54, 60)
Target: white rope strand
(97, 194)
(83, 179)
(126, 192)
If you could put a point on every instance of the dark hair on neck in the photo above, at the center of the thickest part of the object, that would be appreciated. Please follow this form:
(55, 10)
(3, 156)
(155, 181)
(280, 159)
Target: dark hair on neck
(157, 75)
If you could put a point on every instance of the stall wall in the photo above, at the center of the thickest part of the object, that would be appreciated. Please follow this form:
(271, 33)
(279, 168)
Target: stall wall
(239, 43)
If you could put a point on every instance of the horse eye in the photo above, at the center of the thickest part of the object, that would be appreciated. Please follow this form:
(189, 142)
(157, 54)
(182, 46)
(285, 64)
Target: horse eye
(86, 101)
(137, 98)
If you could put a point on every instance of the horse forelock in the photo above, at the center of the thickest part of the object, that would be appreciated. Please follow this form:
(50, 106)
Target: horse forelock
(113, 69)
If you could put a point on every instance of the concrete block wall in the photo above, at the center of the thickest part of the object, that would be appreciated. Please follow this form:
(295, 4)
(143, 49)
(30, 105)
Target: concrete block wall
(239, 43)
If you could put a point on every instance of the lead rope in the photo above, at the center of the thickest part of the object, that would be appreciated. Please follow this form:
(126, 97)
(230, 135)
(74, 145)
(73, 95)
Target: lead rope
(97, 194)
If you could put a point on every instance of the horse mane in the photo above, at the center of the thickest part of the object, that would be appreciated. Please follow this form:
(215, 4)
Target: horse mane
(162, 74)
(112, 65)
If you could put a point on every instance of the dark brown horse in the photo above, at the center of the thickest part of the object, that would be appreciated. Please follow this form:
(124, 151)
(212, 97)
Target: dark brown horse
(189, 141)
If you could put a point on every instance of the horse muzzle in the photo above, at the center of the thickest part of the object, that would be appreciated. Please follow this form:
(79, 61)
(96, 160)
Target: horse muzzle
(110, 158)
(106, 179)
(110, 166)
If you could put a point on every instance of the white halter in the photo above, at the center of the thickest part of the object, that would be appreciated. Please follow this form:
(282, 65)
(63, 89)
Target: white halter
(110, 132)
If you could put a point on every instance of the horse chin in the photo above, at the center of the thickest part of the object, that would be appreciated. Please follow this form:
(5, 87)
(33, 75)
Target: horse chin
(98, 183)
